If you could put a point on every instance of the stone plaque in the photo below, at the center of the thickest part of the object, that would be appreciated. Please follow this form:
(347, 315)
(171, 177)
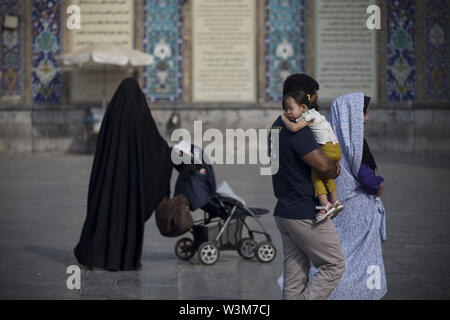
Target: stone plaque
(224, 50)
(101, 21)
(345, 59)
(104, 21)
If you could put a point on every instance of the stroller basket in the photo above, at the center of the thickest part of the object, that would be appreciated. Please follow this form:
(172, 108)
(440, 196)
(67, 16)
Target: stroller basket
(229, 239)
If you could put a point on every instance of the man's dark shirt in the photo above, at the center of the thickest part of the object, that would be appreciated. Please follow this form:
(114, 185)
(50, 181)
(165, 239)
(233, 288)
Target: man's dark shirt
(292, 184)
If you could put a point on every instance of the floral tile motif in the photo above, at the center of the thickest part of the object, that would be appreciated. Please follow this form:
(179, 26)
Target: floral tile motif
(401, 50)
(12, 44)
(436, 50)
(46, 45)
(162, 36)
(284, 44)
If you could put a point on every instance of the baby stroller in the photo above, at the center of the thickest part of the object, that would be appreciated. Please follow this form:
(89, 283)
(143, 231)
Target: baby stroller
(224, 215)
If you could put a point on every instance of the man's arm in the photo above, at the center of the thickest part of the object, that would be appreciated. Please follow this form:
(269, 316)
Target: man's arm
(327, 168)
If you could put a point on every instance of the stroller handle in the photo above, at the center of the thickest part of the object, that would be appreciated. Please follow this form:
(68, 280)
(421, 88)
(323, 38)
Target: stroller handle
(229, 200)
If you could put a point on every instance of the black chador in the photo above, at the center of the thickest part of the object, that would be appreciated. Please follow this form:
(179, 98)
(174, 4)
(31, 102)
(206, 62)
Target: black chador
(130, 175)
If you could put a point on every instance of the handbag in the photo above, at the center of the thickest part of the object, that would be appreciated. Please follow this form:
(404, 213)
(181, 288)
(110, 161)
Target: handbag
(173, 217)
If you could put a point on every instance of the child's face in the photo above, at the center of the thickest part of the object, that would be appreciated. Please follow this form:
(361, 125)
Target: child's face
(293, 110)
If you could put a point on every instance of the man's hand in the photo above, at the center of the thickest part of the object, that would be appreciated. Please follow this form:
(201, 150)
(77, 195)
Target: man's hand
(338, 171)
(380, 192)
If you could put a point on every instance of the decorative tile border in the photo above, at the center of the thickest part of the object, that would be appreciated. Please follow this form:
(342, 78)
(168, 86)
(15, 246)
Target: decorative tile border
(12, 53)
(401, 51)
(46, 44)
(284, 44)
(162, 36)
(436, 50)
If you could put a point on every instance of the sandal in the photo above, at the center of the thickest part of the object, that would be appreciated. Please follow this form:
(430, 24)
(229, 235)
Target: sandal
(339, 207)
(325, 211)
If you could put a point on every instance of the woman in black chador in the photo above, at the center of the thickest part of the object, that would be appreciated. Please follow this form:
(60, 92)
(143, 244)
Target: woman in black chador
(130, 176)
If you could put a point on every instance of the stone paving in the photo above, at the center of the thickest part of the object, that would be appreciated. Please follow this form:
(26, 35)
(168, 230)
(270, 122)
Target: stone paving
(42, 209)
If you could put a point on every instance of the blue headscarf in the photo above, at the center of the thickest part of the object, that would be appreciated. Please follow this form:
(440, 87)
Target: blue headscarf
(361, 226)
(347, 120)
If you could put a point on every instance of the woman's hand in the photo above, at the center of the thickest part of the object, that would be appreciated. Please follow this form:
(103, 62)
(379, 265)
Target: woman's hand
(380, 192)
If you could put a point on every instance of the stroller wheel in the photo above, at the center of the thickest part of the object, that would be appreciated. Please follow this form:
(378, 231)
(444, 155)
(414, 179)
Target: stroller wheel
(184, 249)
(265, 251)
(208, 253)
(246, 248)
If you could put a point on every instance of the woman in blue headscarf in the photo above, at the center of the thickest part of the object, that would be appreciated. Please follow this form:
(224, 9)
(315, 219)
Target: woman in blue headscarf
(361, 227)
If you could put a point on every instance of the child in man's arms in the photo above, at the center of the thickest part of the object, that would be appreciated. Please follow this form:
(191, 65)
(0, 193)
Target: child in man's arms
(302, 114)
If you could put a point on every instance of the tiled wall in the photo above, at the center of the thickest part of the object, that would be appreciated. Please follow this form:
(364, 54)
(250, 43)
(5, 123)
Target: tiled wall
(284, 44)
(162, 31)
(401, 51)
(12, 54)
(436, 50)
(414, 73)
(46, 26)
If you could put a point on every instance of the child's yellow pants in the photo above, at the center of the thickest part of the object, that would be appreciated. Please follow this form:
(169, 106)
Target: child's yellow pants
(333, 152)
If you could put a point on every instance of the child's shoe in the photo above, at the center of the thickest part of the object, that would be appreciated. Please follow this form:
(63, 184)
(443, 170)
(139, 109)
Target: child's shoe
(339, 207)
(325, 211)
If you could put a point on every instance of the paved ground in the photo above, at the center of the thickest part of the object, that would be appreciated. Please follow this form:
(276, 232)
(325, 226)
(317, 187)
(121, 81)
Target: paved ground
(42, 208)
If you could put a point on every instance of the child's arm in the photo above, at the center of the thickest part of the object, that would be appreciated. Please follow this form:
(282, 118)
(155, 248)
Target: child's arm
(294, 126)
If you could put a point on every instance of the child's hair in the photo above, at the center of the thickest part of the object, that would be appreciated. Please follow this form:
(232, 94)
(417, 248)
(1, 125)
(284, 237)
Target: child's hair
(300, 97)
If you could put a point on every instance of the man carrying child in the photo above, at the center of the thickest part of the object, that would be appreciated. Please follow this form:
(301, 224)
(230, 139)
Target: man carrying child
(304, 241)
